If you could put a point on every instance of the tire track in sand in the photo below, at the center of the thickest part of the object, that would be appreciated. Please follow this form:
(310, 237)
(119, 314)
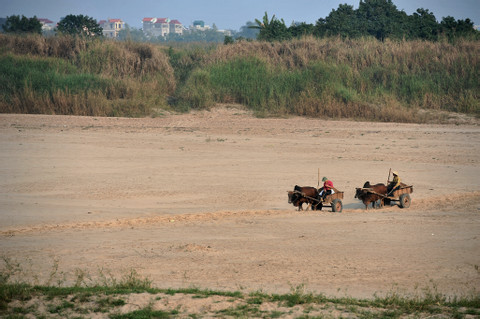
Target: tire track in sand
(461, 201)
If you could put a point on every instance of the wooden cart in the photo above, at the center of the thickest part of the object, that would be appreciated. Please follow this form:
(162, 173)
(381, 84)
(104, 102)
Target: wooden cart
(401, 195)
(334, 201)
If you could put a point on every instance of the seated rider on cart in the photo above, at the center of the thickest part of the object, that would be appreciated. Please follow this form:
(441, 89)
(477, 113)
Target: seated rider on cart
(394, 184)
(327, 189)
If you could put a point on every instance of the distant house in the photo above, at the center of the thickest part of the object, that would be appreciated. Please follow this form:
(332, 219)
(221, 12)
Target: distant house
(111, 27)
(47, 25)
(155, 27)
(199, 25)
(176, 27)
(161, 27)
(147, 25)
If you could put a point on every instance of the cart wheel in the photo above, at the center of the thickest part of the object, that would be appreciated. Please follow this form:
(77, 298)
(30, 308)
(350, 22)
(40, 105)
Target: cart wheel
(337, 206)
(405, 201)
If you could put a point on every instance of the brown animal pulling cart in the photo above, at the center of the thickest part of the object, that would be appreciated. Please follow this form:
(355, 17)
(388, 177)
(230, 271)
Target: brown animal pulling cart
(334, 201)
(400, 195)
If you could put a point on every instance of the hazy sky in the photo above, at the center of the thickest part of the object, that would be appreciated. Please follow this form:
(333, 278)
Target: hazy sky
(226, 14)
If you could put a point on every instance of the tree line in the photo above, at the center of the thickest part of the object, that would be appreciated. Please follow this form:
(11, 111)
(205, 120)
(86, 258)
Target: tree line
(377, 18)
(72, 25)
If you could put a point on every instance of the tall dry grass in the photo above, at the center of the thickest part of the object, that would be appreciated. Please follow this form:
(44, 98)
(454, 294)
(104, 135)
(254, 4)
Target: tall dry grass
(329, 77)
(84, 77)
(332, 77)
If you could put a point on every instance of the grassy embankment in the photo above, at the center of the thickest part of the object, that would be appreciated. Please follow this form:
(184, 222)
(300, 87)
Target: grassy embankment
(110, 297)
(63, 75)
(361, 79)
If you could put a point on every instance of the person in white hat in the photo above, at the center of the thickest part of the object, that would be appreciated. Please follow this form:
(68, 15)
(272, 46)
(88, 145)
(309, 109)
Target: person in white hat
(394, 184)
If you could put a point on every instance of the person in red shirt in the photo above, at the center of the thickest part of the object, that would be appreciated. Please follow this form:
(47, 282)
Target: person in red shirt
(327, 188)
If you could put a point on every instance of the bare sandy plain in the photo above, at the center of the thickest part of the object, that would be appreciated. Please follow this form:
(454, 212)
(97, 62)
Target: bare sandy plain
(200, 200)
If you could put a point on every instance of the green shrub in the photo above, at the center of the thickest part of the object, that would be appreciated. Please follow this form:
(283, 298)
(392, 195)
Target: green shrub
(196, 93)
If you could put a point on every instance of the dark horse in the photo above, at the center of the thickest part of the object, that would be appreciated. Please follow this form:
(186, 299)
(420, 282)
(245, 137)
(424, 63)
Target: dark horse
(297, 197)
(368, 194)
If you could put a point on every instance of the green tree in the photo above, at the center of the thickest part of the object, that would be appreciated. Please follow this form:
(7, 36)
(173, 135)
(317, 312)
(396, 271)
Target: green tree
(465, 28)
(15, 24)
(271, 30)
(228, 40)
(342, 22)
(298, 30)
(381, 19)
(79, 25)
(247, 31)
(453, 29)
(424, 25)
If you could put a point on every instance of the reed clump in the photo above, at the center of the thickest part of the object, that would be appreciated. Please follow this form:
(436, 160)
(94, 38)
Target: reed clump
(362, 78)
(71, 75)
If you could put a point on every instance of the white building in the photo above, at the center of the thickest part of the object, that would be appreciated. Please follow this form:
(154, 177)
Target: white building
(111, 27)
(47, 25)
(155, 27)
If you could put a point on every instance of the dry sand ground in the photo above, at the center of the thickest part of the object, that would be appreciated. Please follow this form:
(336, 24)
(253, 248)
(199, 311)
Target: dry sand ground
(201, 200)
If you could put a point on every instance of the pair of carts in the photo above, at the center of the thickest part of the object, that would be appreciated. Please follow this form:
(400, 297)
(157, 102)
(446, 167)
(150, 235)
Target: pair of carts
(334, 201)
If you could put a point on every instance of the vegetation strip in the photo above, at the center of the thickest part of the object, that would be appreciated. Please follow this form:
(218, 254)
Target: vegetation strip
(113, 296)
(392, 81)
(110, 299)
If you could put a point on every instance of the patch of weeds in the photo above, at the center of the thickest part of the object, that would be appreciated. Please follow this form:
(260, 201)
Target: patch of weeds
(297, 297)
(23, 310)
(275, 314)
(12, 290)
(255, 300)
(308, 309)
(144, 314)
(105, 304)
(206, 292)
(82, 297)
(55, 275)
(61, 307)
(475, 312)
(241, 311)
(351, 308)
(15, 316)
(133, 281)
(170, 292)
(394, 313)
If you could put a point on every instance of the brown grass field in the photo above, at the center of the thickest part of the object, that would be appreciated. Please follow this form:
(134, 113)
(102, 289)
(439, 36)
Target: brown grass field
(200, 200)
